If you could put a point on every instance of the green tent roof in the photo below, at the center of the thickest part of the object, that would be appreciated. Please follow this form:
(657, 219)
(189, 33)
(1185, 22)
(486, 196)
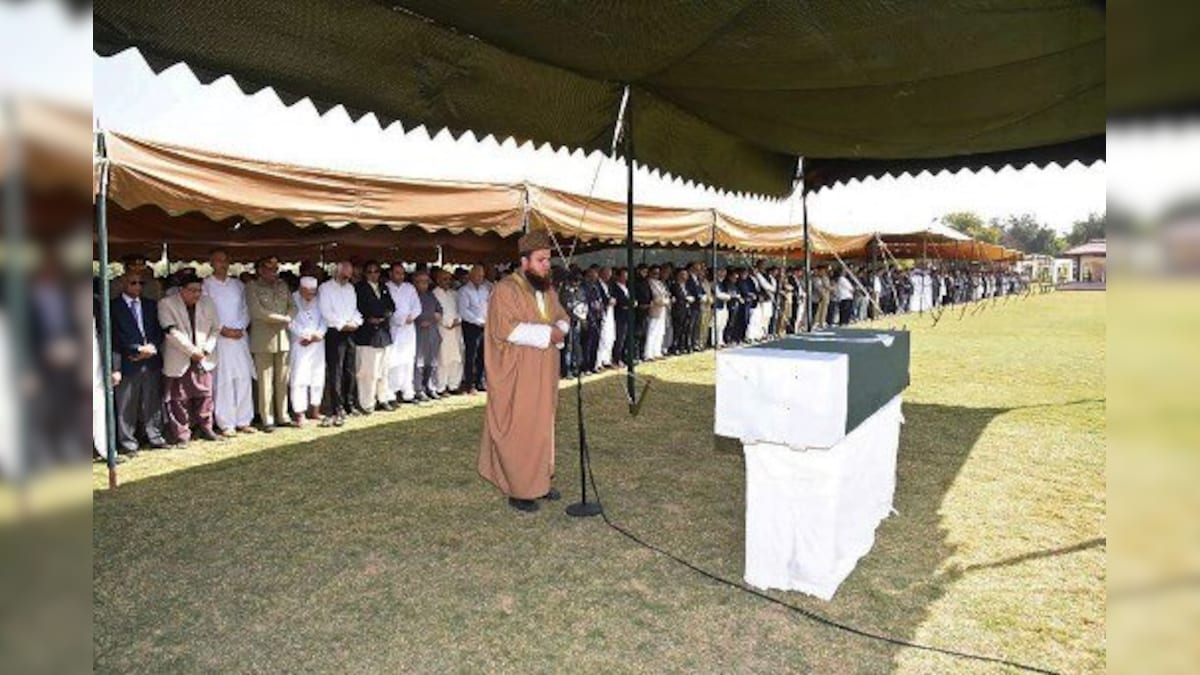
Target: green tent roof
(728, 93)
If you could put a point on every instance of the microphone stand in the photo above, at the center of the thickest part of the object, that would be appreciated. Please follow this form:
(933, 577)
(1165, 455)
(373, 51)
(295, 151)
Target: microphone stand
(583, 508)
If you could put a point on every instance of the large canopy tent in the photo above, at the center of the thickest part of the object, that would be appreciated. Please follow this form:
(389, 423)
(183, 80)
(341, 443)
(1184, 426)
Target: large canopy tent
(727, 93)
(730, 94)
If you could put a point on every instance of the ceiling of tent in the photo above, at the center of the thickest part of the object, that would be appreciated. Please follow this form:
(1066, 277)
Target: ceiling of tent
(727, 93)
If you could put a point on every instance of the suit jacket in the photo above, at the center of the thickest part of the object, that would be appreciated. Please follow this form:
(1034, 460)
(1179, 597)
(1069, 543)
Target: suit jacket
(642, 293)
(621, 309)
(597, 303)
(180, 342)
(267, 304)
(373, 306)
(695, 289)
(748, 289)
(680, 305)
(126, 337)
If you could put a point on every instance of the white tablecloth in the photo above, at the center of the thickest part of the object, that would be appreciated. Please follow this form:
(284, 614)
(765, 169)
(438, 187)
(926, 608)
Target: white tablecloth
(811, 514)
(783, 396)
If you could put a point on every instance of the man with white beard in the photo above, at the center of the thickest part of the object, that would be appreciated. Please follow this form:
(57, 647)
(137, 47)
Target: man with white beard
(402, 354)
(234, 404)
(307, 331)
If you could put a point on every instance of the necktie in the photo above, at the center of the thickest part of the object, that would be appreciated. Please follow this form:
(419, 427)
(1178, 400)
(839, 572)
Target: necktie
(136, 305)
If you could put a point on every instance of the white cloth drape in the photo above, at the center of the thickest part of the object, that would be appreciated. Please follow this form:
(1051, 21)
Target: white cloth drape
(812, 514)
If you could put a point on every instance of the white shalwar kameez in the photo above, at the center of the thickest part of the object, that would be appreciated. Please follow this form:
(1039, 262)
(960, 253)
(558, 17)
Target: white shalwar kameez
(233, 402)
(449, 373)
(306, 362)
(401, 355)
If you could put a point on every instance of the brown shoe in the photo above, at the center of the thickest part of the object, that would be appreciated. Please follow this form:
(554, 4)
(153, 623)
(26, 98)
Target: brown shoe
(247, 429)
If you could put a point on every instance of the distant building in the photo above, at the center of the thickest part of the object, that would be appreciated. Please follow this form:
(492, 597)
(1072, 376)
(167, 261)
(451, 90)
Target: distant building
(1091, 261)
(1042, 268)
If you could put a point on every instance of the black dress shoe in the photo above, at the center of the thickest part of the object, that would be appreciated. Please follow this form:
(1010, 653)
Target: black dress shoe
(159, 445)
(551, 496)
(208, 435)
(525, 505)
(267, 428)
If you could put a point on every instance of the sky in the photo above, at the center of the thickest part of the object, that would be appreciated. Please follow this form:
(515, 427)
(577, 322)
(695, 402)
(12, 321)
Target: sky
(174, 107)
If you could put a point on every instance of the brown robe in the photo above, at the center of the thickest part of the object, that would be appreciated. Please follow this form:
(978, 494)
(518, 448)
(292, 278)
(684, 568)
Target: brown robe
(516, 453)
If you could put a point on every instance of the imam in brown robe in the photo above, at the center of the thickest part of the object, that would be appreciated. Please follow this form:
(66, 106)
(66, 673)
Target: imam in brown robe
(516, 453)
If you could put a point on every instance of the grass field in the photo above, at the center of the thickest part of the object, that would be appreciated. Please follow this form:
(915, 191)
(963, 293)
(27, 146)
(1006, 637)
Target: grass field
(376, 548)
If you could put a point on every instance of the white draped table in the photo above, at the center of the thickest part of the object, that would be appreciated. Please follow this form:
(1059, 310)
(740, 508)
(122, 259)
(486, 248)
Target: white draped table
(819, 417)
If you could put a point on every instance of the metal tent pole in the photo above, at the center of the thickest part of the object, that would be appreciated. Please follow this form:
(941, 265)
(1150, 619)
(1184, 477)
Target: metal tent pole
(712, 308)
(106, 317)
(808, 317)
(631, 311)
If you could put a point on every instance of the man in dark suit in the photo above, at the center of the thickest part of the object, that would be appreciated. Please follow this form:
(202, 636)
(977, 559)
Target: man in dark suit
(695, 290)
(372, 338)
(619, 289)
(597, 304)
(748, 289)
(731, 287)
(643, 296)
(681, 312)
(138, 340)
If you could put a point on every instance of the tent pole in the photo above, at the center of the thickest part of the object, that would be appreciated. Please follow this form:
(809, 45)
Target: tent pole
(15, 229)
(105, 315)
(712, 308)
(631, 312)
(808, 317)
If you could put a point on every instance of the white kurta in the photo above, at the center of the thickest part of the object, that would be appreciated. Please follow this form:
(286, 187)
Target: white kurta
(656, 327)
(232, 400)
(401, 355)
(307, 362)
(608, 335)
(450, 354)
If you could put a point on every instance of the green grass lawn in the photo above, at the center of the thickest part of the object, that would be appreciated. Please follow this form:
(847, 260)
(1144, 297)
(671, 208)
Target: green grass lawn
(376, 548)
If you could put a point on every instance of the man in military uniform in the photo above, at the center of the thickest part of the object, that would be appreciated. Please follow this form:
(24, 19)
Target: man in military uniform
(271, 311)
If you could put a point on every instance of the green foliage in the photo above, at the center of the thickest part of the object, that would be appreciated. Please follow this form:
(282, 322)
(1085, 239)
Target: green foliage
(1026, 234)
(1083, 231)
(973, 225)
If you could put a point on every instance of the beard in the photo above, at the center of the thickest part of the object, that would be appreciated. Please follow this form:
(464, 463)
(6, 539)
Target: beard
(539, 283)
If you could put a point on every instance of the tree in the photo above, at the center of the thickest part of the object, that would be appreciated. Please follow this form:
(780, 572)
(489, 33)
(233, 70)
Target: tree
(1084, 231)
(972, 225)
(1026, 234)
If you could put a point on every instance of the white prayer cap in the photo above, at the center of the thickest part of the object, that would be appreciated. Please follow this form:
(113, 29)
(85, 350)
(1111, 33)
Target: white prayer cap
(308, 282)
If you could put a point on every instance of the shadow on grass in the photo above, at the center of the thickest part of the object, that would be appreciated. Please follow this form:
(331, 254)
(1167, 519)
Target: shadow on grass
(381, 549)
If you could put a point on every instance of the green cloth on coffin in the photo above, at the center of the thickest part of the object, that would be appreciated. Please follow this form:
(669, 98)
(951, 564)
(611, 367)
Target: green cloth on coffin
(877, 372)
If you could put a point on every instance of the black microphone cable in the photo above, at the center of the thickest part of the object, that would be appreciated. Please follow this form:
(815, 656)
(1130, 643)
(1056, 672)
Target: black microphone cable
(805, 613)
